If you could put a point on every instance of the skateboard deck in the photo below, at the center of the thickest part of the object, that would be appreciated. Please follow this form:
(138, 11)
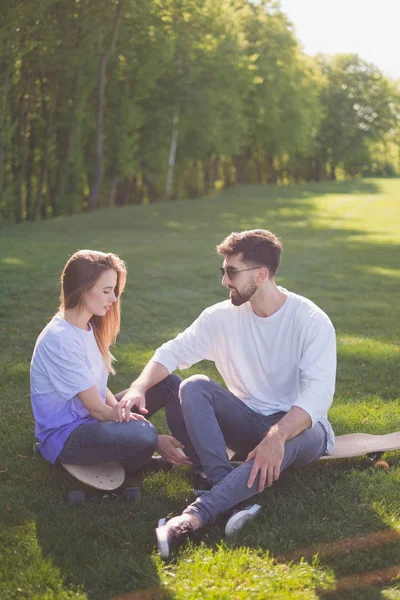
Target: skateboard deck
(105, 476)
(353, 444)
(359, 444)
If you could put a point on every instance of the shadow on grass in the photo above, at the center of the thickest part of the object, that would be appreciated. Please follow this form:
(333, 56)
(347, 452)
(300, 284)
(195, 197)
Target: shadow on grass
(331, 517)
(104, 547)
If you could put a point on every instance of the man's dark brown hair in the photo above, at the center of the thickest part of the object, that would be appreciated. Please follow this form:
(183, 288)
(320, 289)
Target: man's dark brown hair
(257, 246)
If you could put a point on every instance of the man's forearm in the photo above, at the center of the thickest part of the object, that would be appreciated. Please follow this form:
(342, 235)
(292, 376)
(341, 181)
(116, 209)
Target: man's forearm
(152, 374)
(291, 425)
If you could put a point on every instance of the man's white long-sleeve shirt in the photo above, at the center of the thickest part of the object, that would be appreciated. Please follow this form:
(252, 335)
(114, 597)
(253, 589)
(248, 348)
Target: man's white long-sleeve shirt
(270, 363)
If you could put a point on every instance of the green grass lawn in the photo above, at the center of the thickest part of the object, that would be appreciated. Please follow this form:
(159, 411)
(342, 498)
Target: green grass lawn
(321, 528)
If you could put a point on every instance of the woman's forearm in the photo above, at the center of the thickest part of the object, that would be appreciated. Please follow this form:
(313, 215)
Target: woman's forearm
(93, 403)
(103, 414)
(110, 398)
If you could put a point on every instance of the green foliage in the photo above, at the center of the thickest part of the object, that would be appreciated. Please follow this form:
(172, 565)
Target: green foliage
(361, 107)
(224, 80)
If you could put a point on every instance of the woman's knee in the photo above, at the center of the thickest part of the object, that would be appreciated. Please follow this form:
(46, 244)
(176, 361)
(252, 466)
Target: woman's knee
(144, 434)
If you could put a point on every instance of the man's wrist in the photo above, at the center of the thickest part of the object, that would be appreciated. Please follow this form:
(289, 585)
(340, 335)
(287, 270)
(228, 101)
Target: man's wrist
(276, 432)
(138, 387)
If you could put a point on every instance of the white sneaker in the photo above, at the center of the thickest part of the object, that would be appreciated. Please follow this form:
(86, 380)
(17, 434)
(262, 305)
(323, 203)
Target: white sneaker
(239, 517)
(170, 535)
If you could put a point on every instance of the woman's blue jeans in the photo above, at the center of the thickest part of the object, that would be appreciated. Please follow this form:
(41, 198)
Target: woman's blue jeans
(131, 443)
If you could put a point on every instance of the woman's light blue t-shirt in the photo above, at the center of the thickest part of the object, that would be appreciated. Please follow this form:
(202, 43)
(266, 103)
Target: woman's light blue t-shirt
(66, 361)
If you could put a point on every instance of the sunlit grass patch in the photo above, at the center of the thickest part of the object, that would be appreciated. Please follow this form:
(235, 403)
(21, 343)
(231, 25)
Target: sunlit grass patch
(241, 573)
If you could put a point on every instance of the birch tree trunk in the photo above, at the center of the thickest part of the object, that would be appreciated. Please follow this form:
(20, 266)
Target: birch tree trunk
(172, 153)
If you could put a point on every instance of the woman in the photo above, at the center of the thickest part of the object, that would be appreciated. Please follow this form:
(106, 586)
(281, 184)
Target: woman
(78, 419)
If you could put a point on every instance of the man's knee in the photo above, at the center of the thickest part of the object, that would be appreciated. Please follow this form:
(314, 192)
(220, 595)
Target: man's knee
(170, 384)
(173, 382)
(309, 446)
(191, 388)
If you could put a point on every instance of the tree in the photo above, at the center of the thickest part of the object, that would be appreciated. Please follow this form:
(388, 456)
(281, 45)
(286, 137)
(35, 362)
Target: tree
(358, 104)
(98, 178)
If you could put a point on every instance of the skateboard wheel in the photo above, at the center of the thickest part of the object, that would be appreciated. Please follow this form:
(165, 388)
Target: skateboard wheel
(36, 449)
(132, 494)
(375, 455)
(76, 497)
(382, 464)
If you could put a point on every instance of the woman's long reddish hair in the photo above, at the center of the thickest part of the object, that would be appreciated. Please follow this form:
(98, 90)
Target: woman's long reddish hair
(79, 275)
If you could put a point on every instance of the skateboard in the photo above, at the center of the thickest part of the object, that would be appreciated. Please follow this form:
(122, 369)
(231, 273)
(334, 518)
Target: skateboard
(105, 477)
(365, 444)
(354, 444)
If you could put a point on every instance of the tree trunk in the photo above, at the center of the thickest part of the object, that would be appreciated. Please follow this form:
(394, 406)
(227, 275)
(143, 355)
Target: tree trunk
(137, 191)
(240, 166)
(30, 168)
(5, 88)
(24, 112)
(98, 178)
(148, 180)
(121, 196)
(216, 164)
(172, 153)
(318, 168)
(227, 167)
(207, 178)
(62, 185)
(49, 117)
(114, 188)
(259, 171)
(332, 173)
(272, 174)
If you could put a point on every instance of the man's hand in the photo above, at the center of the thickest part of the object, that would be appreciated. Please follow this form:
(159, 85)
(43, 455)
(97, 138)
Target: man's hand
(134, 398)
(171, 450)
(268, 456)
(119, 414)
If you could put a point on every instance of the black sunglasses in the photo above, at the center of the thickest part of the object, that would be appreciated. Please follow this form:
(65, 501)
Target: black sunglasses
(231, 271)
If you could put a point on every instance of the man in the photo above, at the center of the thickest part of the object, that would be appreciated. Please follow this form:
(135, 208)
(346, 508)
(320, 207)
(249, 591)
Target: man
(276, 353)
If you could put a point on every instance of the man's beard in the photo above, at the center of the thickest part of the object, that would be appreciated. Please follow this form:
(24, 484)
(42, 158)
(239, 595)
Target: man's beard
(238, 298)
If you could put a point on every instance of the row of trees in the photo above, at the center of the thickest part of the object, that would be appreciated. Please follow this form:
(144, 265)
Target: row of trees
(128, 101)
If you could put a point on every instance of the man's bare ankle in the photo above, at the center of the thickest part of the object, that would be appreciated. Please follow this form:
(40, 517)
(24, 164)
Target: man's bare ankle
(192, 519)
